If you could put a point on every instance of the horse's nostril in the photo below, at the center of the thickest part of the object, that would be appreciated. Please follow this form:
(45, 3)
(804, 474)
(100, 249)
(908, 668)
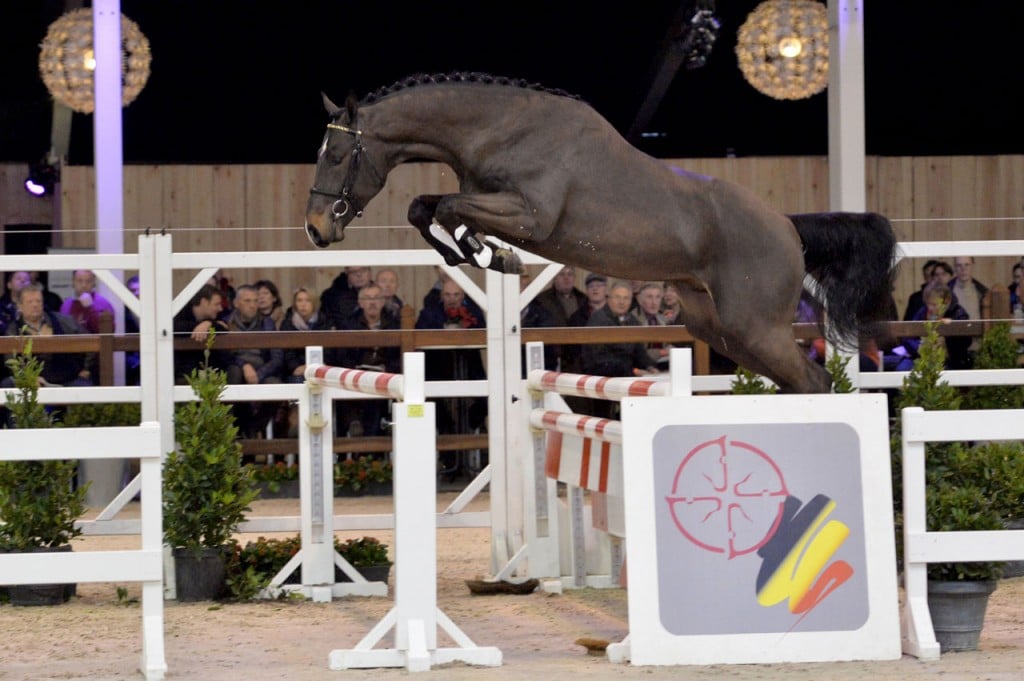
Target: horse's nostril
(314, 237)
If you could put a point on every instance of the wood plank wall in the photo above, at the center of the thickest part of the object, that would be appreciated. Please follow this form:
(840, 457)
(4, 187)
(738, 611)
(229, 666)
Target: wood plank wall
(260, 207)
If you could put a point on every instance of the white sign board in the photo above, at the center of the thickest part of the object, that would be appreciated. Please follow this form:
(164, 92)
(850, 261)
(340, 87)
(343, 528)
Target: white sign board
(759, 529)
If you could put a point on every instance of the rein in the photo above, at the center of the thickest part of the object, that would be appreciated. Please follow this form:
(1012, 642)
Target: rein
(343, 204)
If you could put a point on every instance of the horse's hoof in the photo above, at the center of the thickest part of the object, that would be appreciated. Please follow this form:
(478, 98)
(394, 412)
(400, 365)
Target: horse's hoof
(507, 262)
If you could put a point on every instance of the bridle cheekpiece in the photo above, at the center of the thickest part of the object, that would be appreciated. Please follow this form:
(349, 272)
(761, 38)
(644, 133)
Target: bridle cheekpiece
(343, 202)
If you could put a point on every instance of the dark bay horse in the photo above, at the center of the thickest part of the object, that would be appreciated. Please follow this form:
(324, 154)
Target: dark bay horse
(543, 171)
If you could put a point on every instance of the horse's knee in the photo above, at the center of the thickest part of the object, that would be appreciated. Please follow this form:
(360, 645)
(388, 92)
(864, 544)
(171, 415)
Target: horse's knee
(421, 211)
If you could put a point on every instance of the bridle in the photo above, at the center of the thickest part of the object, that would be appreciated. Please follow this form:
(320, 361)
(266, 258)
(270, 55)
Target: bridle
(344, 202)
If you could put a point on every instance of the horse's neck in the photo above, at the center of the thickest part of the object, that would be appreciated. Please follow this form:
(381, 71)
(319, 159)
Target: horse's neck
(430, 124)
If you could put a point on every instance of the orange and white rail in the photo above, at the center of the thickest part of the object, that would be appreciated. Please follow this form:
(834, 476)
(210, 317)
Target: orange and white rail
(358, 380)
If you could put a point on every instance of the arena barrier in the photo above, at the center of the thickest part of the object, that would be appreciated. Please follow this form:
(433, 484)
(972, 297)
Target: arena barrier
(143, 565)
(770, 492)
(415, 615)
(920, 546)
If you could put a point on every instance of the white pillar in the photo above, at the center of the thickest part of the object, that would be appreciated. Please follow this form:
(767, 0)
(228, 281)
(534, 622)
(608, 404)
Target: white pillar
(846, 168)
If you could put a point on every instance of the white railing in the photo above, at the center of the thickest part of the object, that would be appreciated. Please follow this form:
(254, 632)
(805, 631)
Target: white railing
(920, 546)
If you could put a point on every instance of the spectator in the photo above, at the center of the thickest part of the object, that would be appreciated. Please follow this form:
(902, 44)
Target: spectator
(227, 294)
(387, 280)
(615, 359)
(51, 301)
(433, 296)
(268, 301)
(303, 315)
(252, 366)
(596, 291)
(939, 305)
(33, 319)
(86, 306)
(131, 325)
(671, 304)
(1015, 291)
(363, 417)
(560, 301)
(195, 321)
(339, 300)
(915, 301)
(8, 307)
(461, 414)
(648, 313)
(943, 273)
(536, 315)
(969, 292)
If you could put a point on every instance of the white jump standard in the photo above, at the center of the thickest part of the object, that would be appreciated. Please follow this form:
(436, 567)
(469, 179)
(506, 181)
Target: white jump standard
(415, 615)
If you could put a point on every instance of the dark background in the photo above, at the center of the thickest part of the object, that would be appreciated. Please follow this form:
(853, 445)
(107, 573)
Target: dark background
(236, 81)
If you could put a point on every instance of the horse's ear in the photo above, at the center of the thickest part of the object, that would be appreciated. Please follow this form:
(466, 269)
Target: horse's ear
(351, 104)
(331, 107)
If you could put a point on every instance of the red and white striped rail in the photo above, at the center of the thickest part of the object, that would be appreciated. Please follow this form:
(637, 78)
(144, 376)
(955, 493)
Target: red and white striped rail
(601, 387)
(369, 382)
(605, 430)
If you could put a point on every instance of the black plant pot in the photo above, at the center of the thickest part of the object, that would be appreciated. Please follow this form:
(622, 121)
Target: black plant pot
(42, 594)
(958, 612)
(199, 576)
(372, 573)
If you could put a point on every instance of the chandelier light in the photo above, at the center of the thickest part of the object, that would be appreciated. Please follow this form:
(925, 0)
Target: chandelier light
(782, 48)
(67, 61)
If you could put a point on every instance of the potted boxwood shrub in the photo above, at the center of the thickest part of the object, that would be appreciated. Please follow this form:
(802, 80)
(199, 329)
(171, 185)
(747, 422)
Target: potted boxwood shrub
(278, 480)
(968, 488)
(250, 568)
(207, 490)
(38, 501)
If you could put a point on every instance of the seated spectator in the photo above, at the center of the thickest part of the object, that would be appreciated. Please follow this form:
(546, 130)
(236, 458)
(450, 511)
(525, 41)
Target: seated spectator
(388, 282)
(195, 321)
(131, 325)
(8, 308)
(648, 313)
(671, 305)
(363, 417)
(33, 319)
(940, 306)
(268, 301)
(432, 298)
(86, 306)
(615, 359)
(535, 315)
(303, 315)
(340, 299)
(461, 414)
(596, 286)
(252, 366)
(560, 301)
(914, 302)
(1015, 290)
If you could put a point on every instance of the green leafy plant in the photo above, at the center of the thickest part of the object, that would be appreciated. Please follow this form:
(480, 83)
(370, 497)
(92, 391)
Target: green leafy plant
(358, 472)
(966, 487)
(274, 474)
(749, 383)
(998, 350)
(249, 569)
(207, 490)
(38, 501)
(836, 365)
(102, 414)
(363, 551)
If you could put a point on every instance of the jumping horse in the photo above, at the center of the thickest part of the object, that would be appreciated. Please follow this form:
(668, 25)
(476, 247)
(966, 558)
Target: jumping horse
(541, 170)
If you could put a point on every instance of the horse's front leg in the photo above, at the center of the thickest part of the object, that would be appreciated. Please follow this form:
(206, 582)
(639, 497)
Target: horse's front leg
(501, 214)
(421, 216)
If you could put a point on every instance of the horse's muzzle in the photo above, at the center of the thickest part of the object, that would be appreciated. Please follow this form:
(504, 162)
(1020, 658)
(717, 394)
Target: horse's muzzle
(315, 238)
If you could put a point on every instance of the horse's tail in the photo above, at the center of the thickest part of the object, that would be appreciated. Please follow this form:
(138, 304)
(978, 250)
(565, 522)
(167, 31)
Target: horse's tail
(851, 256)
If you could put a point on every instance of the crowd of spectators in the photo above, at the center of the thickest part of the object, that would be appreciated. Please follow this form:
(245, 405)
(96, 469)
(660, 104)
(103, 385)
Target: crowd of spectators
(359, 300)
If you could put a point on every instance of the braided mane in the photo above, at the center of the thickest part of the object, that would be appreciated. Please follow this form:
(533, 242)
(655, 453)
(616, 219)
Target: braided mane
(459, 77)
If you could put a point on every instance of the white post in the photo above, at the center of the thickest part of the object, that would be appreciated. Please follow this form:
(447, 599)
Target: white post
(316, 475)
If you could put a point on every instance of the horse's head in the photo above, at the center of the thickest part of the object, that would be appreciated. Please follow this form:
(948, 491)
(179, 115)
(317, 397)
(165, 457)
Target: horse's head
(341, 186)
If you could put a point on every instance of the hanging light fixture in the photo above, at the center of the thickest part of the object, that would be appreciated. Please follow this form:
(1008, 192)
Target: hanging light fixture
(67, 61)
(782, 48)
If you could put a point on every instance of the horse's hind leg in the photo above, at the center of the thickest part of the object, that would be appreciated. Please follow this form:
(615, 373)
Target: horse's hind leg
(774, 353)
